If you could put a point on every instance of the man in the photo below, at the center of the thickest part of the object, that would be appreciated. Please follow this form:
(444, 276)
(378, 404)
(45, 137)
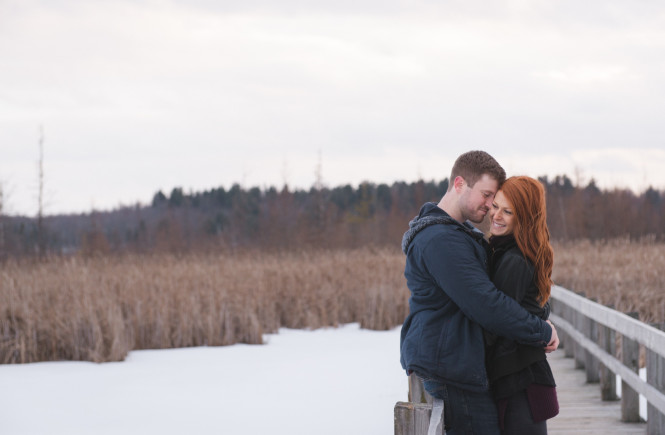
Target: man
(452, 299)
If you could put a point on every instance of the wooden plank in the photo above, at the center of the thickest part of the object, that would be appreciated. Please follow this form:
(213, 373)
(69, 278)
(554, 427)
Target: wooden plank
(647, 335)
(405, 418)
(579, 351)
(608, 379)
(630, 399)
(417, 393)
(652, 395)
(655, 377)
(591, 363)
(422, 419)
(567, 313)
(413, 418)
(582, 411)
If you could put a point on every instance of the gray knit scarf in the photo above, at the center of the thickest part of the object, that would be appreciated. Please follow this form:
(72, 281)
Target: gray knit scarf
(418, 224)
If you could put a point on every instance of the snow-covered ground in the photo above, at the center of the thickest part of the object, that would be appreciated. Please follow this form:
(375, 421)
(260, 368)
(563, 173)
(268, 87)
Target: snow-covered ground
(328, 381)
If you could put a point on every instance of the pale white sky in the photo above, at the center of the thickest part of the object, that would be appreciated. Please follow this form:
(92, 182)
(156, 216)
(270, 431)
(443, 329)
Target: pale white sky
(137, 96)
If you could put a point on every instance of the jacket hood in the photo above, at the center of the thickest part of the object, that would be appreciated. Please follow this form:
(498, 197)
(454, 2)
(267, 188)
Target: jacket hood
(432, 214)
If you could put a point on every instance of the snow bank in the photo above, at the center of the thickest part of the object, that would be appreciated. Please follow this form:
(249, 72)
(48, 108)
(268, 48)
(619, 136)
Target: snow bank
(327, 381)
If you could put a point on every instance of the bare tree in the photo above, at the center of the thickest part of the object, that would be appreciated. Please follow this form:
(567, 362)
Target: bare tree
(318, 173)
(41, 237)
(318, 226)
(2, 226)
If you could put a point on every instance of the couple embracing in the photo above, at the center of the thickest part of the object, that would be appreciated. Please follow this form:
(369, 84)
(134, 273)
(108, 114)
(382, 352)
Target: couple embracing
(477, 333)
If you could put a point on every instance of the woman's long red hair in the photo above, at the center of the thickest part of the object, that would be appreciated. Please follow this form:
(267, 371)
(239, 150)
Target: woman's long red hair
(527, 197)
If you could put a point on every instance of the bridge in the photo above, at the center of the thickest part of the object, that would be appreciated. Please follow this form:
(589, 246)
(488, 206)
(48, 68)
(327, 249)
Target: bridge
(598, 345)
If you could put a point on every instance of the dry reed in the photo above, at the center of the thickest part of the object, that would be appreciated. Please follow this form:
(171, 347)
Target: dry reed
(98, 309)
(628, 275)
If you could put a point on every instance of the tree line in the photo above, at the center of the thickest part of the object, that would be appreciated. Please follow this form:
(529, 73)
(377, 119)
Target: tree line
(289, 219)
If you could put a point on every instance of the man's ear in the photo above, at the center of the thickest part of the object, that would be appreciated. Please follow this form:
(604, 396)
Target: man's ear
(458, 183)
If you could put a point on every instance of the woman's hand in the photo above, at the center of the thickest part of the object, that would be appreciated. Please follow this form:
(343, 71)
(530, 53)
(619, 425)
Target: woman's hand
(554, 341)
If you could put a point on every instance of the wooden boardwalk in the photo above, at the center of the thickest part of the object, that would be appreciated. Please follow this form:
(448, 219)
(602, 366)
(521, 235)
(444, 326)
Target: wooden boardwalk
(581, 409)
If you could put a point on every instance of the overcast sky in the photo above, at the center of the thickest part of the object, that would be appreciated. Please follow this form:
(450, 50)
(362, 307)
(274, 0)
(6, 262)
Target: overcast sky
(138, 96)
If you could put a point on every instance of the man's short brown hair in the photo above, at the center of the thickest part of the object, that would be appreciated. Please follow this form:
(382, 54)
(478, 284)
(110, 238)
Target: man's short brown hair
(473, 165)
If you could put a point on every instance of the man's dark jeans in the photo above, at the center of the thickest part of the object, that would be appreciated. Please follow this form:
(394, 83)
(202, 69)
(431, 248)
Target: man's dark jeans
(465, 412)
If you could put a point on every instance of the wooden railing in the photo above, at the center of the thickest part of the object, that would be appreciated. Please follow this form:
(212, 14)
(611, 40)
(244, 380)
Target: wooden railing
(413, 417)
(589, 332)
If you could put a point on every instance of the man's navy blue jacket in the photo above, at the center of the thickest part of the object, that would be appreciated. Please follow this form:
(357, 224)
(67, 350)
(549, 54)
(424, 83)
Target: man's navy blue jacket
(452, 300)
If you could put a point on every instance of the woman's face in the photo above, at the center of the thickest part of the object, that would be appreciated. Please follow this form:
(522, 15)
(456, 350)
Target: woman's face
(501, 216)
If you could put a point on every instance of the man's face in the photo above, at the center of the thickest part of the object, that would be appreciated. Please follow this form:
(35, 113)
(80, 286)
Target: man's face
(476, 201)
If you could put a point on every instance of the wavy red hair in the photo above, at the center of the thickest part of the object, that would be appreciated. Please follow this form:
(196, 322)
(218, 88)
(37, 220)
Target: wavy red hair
(526, 195)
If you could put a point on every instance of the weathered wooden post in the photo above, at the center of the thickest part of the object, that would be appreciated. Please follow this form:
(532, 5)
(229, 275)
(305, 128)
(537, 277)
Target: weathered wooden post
(579, 322)
(417, 393)
(591, 363)
(608, 379)
(558, 309)
(569, 348)
(413, 417)
(655, 378)
(630, 399)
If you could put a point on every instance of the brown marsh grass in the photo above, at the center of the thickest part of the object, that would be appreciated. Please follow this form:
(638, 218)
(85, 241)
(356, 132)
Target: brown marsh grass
(98, 309)
(628, 275)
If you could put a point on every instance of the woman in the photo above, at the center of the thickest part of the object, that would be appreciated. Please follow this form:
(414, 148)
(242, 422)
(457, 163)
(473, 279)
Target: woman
(521, 260)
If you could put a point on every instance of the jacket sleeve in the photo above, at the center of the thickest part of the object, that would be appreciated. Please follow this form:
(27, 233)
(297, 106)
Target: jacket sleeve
(451, 259)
